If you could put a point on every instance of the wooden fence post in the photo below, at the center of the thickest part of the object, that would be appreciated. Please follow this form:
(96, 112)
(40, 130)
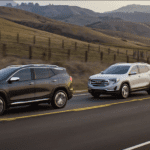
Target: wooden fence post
(138, 56)
(134, 54)
(17, 37)
(99, 49)
(49, 42)
(49, 54)
(43, 55)
(75, 47)
(4, 50)
(148, 60)
(63, 44)
(34, 38)
(146, 53)
(86, 56)
(114, 57)
(127, 58)
(118, 51)
(101, 56)
(0, 35)
(88, 47)
(68, 54)
(142, 55)
(30, 52)
(108, 50)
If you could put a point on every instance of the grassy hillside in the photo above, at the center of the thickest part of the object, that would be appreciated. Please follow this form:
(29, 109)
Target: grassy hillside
(60, 28)
(138, 29)
(10, 29)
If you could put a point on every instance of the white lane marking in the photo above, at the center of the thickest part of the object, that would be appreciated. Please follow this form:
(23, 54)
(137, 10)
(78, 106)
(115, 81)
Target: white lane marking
(137, 146)
(81, 94)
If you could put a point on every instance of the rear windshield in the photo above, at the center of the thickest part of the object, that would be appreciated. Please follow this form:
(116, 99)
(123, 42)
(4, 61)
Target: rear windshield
(6, 72)
(120, 69)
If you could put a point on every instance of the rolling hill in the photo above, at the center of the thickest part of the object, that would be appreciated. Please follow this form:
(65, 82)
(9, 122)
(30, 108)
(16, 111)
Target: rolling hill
(72, 31)
(81, 16)
(140, 29)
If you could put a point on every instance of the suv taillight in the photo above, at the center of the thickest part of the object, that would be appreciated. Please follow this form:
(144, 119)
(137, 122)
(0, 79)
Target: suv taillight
(70, 78)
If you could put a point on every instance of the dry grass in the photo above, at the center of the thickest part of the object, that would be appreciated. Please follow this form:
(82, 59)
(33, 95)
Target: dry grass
(9, 32)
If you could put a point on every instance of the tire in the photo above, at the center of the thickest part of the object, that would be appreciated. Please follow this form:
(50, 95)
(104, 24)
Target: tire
(148, 91)
(95, 95)
(59, 99)
(2, 106)
(124, 91)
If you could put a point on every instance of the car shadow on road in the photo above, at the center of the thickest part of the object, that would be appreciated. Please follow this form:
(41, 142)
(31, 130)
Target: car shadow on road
(104, 98)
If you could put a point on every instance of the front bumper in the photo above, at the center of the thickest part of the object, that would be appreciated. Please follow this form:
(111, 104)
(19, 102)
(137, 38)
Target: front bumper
(111, 89)
(102, 91)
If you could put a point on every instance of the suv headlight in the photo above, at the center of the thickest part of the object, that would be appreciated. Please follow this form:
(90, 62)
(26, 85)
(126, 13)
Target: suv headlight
(89, 81)
(113, 81)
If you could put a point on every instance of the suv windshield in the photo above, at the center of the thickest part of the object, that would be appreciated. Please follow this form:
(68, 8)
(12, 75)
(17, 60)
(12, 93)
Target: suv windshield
(5, 73)
(119, 69)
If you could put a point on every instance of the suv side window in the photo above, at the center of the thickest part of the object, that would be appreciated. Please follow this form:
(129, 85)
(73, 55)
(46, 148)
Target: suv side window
(41, 73)
(51, 73)
(134, 69)
(143, 68)
(24, 74)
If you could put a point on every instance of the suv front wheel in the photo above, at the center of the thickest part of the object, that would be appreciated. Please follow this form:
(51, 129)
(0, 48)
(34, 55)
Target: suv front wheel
(60, 99)
(124, 91)
(2, 105)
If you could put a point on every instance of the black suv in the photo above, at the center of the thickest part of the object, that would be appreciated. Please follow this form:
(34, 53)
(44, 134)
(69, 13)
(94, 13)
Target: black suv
(34, 83)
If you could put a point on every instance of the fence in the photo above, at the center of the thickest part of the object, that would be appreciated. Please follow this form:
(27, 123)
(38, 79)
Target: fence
(68, 51)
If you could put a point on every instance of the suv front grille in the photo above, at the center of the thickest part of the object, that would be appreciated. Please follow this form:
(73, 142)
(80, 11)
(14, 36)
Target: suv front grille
(99, 82)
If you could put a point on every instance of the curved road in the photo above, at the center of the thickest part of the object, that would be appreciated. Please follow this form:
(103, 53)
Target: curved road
(86, 123)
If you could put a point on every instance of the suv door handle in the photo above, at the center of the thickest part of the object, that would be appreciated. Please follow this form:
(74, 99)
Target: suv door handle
(31, 83)
(54, 80)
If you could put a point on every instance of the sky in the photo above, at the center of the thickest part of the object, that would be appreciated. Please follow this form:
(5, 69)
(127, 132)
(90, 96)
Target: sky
(97, 6)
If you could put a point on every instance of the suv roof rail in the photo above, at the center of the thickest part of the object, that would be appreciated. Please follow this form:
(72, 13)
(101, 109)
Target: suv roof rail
(141, 62)
(33, 65)
(120, 63)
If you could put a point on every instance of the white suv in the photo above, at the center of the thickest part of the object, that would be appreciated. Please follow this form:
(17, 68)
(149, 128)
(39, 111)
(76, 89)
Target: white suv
(121, 79)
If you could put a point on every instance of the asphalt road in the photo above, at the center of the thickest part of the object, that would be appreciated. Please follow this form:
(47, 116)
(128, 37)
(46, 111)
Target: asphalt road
(105, 123)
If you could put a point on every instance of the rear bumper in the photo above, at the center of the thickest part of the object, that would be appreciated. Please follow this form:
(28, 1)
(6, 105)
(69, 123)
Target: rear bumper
(70, 94)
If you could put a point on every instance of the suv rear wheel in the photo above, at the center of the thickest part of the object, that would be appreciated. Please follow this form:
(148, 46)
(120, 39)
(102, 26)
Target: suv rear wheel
(124, 91)
(2, 105)
(60, 99)
(148, 91)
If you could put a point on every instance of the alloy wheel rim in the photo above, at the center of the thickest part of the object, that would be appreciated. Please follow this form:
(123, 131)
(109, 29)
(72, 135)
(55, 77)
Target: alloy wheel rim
(60, 99)
(1, 105)
(125, 91)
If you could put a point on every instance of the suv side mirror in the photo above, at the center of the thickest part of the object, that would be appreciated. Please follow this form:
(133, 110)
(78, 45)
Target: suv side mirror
(14, 79)
(132, 73)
